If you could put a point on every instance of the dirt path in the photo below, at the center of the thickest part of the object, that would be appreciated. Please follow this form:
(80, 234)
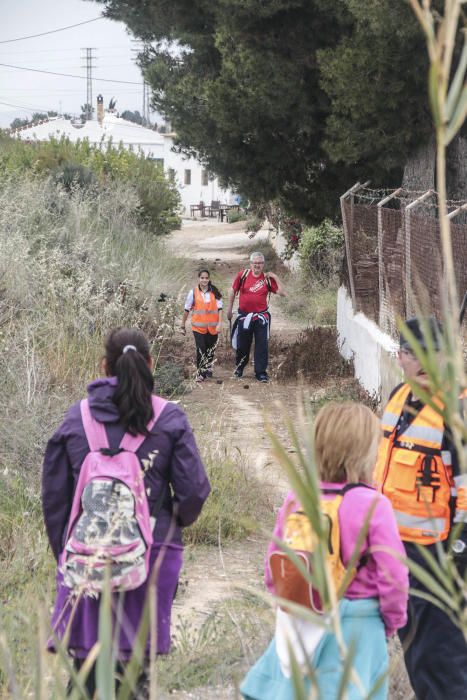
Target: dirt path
(238, 411)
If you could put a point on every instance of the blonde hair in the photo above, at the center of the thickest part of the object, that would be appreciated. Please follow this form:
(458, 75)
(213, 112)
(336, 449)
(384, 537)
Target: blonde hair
(347, 436)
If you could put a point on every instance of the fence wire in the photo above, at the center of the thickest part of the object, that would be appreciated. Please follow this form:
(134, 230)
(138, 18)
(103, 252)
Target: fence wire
(394, 255)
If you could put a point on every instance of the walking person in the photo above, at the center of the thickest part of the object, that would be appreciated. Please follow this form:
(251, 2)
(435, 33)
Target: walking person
(373, 607)
(120, 424)
(205, 303)
(253, 287)
(418, 471)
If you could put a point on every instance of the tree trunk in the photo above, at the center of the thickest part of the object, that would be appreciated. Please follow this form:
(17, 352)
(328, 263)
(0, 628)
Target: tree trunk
(419, 171)
(456, 174)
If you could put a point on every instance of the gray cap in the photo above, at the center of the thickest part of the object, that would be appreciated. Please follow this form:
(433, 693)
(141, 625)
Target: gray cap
(419, 327)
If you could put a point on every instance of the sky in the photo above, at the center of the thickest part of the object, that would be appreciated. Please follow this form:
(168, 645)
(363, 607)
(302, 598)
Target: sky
(23, 92)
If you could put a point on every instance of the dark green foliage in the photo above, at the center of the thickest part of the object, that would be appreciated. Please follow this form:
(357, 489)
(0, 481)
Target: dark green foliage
(322, 249)
(376, 79)
(73, 175)
(243, 91)
(169, 379)
(36, 117)
(288, 100)
(134, 117)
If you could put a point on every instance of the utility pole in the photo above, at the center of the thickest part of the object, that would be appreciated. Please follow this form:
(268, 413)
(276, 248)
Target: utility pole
(89, 58)
(146, 102)
(139, 49)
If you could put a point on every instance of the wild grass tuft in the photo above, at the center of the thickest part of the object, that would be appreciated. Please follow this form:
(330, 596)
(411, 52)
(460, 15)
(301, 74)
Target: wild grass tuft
(219, 652)
(238, 505)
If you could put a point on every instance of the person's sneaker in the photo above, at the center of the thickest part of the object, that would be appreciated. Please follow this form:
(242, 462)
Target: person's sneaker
(263, 377)
(209, 373)
(238, 373)
(199, 379)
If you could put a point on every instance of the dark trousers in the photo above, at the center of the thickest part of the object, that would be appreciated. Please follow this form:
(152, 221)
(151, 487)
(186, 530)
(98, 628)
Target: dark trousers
(90, 683)
(205, 347)
(435, 651)
(258, 331)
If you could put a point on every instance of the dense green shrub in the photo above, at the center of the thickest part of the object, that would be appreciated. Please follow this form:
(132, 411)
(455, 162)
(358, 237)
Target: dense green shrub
(82, 163)
(170, 379)
(74, 175)
(254, 224)
(234, 216)
(321, 249)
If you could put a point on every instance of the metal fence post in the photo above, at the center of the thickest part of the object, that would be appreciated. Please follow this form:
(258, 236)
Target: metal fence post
(380, 205)
(347, 238)
(409, 307)
(457, 211)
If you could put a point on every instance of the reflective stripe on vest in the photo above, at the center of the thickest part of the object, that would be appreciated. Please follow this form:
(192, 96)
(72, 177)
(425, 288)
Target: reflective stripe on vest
(429, 525)
(418, 433)
(414, 473)
(461, 500)
(205, 314)
(389, 419)
(446, 456)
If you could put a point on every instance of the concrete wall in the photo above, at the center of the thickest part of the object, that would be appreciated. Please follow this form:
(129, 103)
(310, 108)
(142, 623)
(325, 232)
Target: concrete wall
(372, 351)
(279, 244)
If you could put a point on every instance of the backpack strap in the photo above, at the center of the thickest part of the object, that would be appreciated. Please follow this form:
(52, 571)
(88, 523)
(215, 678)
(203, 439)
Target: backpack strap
(348, 487)
(243, 278)
(95, 432)
(132, 443)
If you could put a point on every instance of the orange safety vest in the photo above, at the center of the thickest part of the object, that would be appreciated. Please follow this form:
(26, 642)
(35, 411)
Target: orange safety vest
(414, 473)
(205, 315)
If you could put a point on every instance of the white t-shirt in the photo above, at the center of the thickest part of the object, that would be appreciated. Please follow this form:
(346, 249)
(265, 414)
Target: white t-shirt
(190, 300)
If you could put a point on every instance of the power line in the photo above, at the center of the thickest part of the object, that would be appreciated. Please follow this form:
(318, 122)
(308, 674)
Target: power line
(53, 49)
(52, 31)
(26, 108)
(69, 75)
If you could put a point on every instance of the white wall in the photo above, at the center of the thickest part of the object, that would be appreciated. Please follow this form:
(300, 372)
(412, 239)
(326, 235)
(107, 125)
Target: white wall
(372, 351)
(280, 245)
(195, 192)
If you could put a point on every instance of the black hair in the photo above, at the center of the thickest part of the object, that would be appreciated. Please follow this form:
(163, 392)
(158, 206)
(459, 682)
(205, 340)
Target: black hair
(211, 287)
(135, 381)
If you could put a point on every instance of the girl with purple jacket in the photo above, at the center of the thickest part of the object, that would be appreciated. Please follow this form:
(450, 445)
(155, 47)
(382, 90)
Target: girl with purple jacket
(174, 479)
(375, 603)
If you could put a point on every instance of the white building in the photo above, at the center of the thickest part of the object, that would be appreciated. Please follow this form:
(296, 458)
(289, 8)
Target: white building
(191, 178)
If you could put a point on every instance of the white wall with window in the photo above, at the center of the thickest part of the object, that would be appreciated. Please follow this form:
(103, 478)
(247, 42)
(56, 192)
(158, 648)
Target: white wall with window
(193, 180)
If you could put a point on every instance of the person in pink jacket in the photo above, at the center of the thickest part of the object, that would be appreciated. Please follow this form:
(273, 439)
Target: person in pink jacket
(375, 603)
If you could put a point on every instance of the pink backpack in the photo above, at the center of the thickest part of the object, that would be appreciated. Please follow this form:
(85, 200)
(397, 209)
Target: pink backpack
(110, 527)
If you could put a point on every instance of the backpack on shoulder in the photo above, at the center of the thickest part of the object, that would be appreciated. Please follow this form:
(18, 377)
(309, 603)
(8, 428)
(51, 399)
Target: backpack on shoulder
(109, 533)
(289, 583)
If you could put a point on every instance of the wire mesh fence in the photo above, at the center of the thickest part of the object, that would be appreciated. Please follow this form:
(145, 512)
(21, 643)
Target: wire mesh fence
(393, 251)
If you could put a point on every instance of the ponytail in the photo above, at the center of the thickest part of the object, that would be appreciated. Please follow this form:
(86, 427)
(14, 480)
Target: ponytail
(212, 288)
(127, 356)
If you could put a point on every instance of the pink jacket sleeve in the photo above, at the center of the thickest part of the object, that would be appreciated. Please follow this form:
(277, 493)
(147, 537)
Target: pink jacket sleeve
(290, 504)
(392, 575)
